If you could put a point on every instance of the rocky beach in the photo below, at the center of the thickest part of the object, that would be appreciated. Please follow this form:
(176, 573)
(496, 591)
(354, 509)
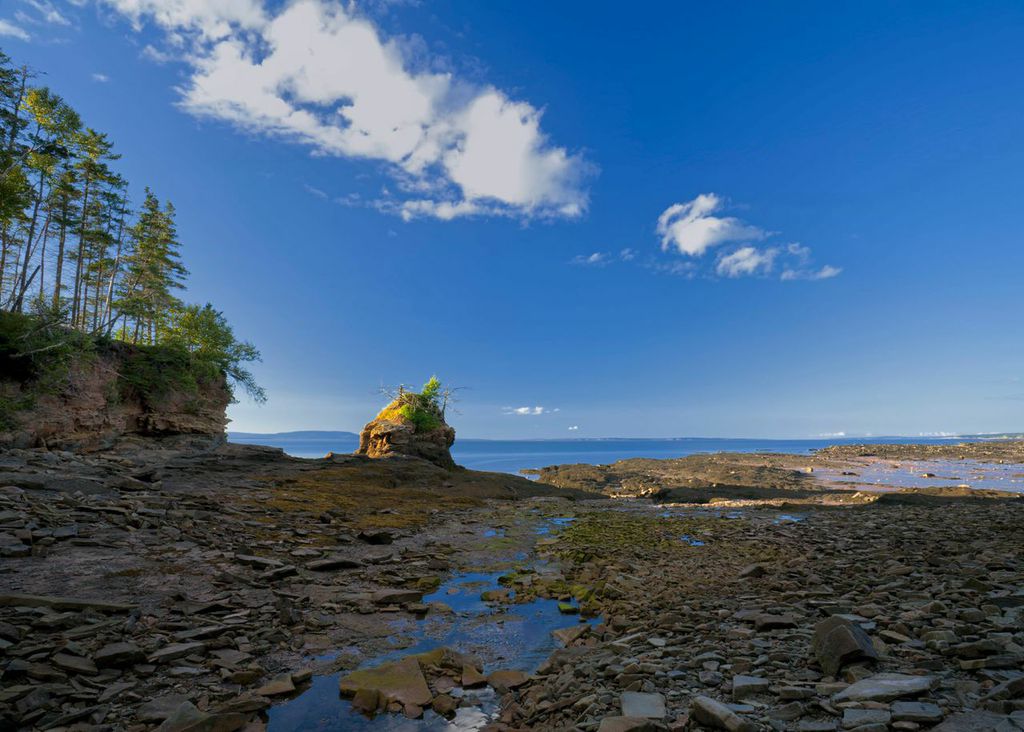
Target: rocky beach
(165, 584)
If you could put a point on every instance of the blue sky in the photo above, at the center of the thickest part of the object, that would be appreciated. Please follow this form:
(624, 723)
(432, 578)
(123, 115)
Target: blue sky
(726, 219)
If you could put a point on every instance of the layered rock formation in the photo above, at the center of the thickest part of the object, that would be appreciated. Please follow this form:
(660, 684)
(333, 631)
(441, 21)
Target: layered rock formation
(393, 433)
(94, 407)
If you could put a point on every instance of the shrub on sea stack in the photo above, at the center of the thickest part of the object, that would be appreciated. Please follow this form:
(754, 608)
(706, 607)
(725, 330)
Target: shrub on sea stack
(411, 425)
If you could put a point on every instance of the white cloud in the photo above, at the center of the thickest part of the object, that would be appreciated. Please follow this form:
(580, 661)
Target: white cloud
(574, 427)
(7, 28)
(746, 261)
(313, 190)
(597, 259)
(316, 73)
(101, 78)
(627, 255)
(826, 272)
(529, 411)
(47, 12)
(154, 54)
(692, 229)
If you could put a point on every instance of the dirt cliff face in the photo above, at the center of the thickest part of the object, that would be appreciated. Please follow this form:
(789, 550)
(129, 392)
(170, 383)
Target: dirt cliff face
(392, 434)
(93, 408)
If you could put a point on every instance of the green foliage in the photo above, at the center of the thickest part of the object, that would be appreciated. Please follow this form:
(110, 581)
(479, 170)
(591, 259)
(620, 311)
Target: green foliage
(91, 269)
(36, 349)
(205, 337)
(423, 409)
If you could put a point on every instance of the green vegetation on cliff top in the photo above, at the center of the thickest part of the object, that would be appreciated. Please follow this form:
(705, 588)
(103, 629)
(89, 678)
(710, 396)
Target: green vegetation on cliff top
(82, 269)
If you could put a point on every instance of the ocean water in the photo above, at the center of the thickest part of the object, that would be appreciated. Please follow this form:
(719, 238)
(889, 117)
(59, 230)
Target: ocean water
(511, 456)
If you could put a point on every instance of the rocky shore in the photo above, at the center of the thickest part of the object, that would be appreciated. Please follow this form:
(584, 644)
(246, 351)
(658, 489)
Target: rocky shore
(177, 586)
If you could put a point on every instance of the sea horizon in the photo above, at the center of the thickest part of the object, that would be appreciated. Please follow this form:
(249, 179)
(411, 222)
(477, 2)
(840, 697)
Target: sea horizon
(515, 455)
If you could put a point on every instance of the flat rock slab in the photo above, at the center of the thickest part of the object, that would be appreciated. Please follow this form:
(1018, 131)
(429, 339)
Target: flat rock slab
(401, 681)
(981, 722)
(884, 687)
(176, 650)
(714, 714)
(118, 654)
(329, 563)
(746, 686)
(855, 718)
(396, 597)
(63, 603)
(502, 681)
(904, 711)
(627, 724)
(638, 704)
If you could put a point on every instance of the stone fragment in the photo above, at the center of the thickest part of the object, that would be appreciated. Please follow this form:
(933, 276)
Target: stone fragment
(445, 705)
(160, 708)
(62, 603)
(471, 678)
(856, 718)
(366, 701)
(277, 686)
(74, 664)
(638, 704)
(396, 597)
(401, 682)
(627, 724)
(503, 681)
(118, 654)
(837, 642)
(174, 651)
(908, 711)
(746, 686)
(978, 721)
(884, 688)
(329, 563)
(716, 715)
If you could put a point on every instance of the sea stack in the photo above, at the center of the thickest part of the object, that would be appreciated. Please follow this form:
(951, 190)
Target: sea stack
(411, 425)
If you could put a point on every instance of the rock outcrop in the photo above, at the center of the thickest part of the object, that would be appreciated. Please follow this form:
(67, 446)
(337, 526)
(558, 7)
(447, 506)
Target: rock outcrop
(392, 433)
(95, 406)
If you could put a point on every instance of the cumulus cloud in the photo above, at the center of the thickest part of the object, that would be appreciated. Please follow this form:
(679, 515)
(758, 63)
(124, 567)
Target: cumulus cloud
(695, 227)
(692, 229)
(316, 73)
(746, 261)
(9, 29)
(529, 411)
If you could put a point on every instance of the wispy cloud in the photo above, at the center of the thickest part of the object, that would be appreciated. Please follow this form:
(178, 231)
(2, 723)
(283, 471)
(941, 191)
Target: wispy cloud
(597, 259)
(313, 190)
(694, 228)
(101, 78)
(318, 73)
(574, 427)
(9, 29)
(529, 411)
(824, 273)
(746, 260)
(47, 12)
